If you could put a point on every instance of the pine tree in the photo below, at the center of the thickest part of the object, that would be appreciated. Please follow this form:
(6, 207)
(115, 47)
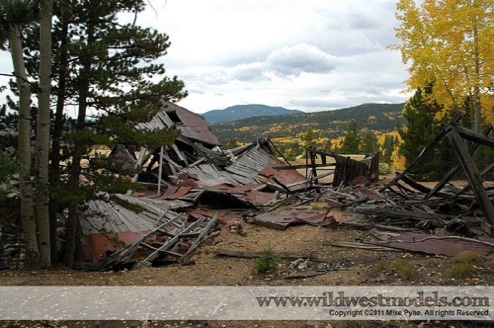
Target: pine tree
(232, 143)
(352, 140)
(107, 69)
(388, 147)
(369, 144)
(309, 138)
(421, 128)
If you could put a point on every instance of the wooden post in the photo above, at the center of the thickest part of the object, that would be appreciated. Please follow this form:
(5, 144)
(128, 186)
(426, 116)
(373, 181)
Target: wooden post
(472, 173)
(160, 171)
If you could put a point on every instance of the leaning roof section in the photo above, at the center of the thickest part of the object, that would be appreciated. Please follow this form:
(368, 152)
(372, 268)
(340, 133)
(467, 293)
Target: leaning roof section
(190, 124)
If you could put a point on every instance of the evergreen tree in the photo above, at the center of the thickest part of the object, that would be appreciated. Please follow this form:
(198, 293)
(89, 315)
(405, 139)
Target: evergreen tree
(351, 142)
(421, 128)
(369, 144)
(388, 147)
(232, 143)
(309, 138)
(107, 69)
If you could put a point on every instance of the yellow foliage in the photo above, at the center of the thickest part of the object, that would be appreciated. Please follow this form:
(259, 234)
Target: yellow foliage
(449, 43)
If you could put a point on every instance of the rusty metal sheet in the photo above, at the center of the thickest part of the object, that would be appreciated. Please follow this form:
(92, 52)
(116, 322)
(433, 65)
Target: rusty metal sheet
(95, 246)
(419, 242)
(122, 156)
(175, 192)
(258, 197)
(192, 125)
(197, 213)
(281, 220)
(363, 191)
(268, 171)
(289, 179)
(235, 188)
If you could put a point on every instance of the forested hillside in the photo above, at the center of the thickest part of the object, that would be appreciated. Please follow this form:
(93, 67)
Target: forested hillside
(327, 124)
(240, 112)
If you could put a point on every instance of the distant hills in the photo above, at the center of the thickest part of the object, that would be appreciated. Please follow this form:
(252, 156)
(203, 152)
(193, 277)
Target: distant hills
(240, 112)
(327, 124)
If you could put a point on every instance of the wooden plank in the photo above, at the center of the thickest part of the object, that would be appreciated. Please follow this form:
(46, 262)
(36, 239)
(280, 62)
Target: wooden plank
(253, 255)
(361, 246)
(170, 243)
(473, 175)
(149, 246)
(402, 213)
(415, 185)
(202, 235)
(467, 188)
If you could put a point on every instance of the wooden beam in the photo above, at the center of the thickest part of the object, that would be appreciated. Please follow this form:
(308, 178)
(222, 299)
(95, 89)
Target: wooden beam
(301, 166)
(457, 167)
(467, 188)
(474, 136)
(419, 159)
(472, 173)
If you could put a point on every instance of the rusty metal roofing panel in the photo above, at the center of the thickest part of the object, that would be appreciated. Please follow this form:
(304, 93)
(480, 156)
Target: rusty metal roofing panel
(192, 125)
(429, 244)
(175, 192)
(258, 197)
(94, 247)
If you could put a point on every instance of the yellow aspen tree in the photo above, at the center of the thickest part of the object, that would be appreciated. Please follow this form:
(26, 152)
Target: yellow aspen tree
(446, 45)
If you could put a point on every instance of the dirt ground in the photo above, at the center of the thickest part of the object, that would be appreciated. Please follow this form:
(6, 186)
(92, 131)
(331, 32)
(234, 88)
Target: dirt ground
(359, 268)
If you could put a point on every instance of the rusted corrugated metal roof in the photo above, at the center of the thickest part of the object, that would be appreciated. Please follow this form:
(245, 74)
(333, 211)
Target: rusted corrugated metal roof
(105, 225)
(290, 179)
(424, 243)
(175, 192)
(192, 125)
(259, 197)
(95, 246)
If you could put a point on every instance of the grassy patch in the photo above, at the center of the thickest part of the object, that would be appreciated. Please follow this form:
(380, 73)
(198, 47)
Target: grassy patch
(468, 257)
(403, 268)
(381, 266)
(464, 264)
(460, 270)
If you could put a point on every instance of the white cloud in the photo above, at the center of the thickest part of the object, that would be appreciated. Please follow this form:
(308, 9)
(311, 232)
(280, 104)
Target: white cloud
(301, 58)
(309, 55)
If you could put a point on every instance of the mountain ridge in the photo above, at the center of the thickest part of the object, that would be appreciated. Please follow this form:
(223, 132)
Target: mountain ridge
(326, 124)
(238, 112)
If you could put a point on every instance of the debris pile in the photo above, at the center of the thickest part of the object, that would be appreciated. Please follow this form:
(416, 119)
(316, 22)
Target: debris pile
(196, 179)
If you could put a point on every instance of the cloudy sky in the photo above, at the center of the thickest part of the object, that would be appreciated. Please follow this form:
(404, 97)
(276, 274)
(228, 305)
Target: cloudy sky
(309, 55)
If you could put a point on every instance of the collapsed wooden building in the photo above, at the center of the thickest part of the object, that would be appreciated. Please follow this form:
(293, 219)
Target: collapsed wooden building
(194, 173)
(195, 179)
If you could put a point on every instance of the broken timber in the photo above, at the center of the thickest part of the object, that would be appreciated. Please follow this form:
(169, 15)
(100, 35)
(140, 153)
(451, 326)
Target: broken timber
(456, 136)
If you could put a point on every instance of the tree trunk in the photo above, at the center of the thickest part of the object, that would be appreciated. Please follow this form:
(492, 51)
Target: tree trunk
(57, 134)
(26, 187)
(75, 170)
(477, 106)
(43, 135)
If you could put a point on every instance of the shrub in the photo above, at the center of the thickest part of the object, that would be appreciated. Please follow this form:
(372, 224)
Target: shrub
(267, 262)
